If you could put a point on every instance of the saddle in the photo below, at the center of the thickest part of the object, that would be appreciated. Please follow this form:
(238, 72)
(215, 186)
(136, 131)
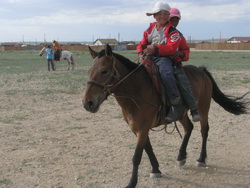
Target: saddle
(154, 74)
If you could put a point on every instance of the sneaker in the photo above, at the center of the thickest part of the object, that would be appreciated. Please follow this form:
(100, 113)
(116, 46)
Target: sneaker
(196, 117)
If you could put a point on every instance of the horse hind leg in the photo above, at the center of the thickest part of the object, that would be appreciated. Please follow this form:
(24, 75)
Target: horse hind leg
(68, 64)
(73, 63)
(188, 127)
(201, 162)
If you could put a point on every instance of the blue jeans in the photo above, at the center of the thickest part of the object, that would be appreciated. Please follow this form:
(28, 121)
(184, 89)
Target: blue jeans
(185, 88)
(166, 71)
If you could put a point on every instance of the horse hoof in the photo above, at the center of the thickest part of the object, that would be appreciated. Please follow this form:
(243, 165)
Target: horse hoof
(200, 164)
(182, 162)
(155, 175)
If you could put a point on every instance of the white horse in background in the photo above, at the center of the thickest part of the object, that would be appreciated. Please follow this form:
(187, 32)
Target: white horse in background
(65, 55)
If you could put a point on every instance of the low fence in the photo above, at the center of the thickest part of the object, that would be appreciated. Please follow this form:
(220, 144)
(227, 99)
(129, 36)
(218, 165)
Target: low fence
(222, 46)
(69, 47)
(197, 46)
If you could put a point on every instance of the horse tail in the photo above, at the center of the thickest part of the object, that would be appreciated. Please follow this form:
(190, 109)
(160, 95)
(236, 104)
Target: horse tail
(234, 105)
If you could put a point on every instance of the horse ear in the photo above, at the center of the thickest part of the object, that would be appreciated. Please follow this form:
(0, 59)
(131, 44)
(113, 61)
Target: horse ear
(108, 51)
(93, 53)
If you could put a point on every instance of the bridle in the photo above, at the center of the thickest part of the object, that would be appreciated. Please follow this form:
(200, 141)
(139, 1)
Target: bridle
(114, 74)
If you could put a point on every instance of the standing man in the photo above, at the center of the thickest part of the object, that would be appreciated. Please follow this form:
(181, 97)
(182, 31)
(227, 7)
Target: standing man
(57, 49)
(50, 59)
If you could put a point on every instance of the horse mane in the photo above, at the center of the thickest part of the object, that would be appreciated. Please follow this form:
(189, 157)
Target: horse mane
(125, 61)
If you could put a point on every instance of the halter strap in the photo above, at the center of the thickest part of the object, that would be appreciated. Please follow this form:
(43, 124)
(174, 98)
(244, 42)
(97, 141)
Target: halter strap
(105, 85)
(92, 82)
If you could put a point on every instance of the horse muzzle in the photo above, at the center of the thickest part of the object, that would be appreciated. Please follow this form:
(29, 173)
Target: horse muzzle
(91, 106)
(92, 102)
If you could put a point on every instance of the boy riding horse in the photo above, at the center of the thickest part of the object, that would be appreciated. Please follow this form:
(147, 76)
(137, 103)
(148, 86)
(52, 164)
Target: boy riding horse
(57, 49)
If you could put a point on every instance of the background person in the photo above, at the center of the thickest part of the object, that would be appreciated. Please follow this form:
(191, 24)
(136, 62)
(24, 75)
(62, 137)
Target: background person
(50, 59)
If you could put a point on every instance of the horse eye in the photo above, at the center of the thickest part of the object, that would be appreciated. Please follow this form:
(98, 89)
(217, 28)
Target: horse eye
(104, 72)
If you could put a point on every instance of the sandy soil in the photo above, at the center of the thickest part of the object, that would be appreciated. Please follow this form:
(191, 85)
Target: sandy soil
(52, 142)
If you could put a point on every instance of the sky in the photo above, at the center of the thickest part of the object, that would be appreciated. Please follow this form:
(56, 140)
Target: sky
(124, 20)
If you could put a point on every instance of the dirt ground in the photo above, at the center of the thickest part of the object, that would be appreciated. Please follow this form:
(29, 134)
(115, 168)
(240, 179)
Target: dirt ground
(52, 142)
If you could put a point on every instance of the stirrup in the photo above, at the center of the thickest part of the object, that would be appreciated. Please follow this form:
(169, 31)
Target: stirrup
(172, 115)
(195, 116)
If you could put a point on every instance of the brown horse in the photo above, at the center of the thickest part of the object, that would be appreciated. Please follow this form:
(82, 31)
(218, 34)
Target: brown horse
(130, 84)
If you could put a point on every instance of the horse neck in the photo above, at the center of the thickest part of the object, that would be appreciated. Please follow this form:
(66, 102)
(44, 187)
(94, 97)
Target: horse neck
(135, 86)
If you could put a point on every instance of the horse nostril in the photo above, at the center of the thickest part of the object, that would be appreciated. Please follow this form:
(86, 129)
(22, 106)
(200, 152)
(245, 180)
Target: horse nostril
(88, 105)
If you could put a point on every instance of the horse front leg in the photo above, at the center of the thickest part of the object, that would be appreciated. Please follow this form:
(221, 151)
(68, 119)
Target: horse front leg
(188, 127)
(155, 173)
(141, 141)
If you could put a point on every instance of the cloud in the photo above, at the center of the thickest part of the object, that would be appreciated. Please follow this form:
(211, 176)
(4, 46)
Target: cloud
(130, 15)
(34, 18)
(215, 12)
(92, 17)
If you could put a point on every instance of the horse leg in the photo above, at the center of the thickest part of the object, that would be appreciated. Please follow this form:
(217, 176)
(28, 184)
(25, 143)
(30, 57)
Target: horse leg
(68, 64)
(72, 62)
(201, 162)
(141, 141)
(155, 173)
(54, 63)
(188, 127)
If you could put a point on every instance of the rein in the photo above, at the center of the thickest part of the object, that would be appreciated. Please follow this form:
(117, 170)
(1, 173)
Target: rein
(116, 75)
(169, 132)
(128, 74)
(107, 87)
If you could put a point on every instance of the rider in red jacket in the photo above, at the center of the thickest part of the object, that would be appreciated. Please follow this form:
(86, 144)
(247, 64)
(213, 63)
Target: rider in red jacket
(160, 41)
(171, 45)
(171, 42)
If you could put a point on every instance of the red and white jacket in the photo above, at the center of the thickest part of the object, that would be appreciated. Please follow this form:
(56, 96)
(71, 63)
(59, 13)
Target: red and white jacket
(174, 41)
(184, 48)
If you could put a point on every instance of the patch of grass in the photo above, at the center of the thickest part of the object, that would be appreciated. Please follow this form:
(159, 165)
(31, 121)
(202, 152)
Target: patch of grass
(84, 156)
(118, 116)
(20, 117)
(73, 89)
(79, 177)
(245, 81)
(7, 121)
(215, 60)
(25, 69)
(76, 127)
(5, 182)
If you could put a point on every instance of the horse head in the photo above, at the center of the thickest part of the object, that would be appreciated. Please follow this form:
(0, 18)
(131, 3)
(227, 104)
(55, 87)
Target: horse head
(42, 51)
(101, 77)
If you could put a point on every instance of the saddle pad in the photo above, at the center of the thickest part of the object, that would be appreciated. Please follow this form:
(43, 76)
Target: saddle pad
(152, 70)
